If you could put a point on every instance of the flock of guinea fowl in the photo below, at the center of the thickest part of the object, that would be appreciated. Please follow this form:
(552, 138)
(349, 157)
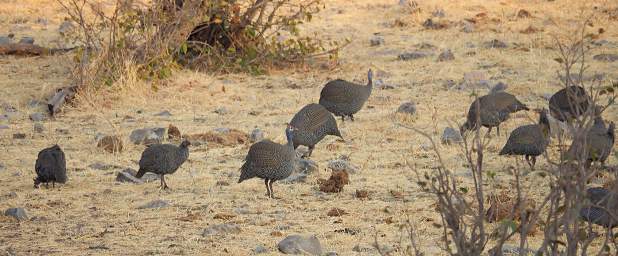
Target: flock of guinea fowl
(272, 161)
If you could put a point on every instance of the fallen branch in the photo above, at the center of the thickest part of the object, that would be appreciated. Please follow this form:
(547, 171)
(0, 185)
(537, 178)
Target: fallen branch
(21, 49)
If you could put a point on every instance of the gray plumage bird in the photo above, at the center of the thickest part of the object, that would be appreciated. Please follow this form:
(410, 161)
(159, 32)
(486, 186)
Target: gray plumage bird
(343, 98)
(494, 108)
(601, 200)
(50, 166)
(163, 159)
(312, 123)
(529, 140)
(598, 143)
(270, 161)
(569, 103)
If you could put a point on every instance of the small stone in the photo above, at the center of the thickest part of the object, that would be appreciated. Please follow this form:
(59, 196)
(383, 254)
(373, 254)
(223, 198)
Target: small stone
(260, 249)
(376, 41)
(156, 204)
(111, 144)
(2, 167)
(606, 57)
(495, 44)
(5, 40)
(164, 113)
(222, 111)
(221, 229)
(147, 136)
(300, 244)
(256, 135)
(38, 128)
(446, 55)
(65, 28)
(380, 84)
(342, 165)
(450, 136)
(173, 133)
(407, 108)
(4, 127)
(38, 117)
(19, 136)
(302, 169)
(17, 213)
(222, 130)
(125, 176)
(413, 55)
(32, 103)
(26, 40)
(100, 166)
(499, 87)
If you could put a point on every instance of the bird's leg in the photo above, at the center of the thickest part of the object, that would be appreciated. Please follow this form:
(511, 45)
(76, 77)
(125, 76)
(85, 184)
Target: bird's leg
(270, 184)
(342, 118)
(528, 160)
(488, 134)
(47, 185)
(498, 130)
(352, 117)
(267, 188)
(53, 184)
(163, 182)
(309, 153)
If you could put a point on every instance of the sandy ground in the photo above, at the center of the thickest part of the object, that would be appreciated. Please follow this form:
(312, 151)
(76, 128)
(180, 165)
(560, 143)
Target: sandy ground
(93, 214)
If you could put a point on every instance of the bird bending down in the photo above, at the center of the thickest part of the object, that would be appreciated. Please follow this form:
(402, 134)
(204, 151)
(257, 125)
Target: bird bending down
(163, 159)
(529, 140)
(50, 166)
(311, 124)
(270, 161)
(494, 109)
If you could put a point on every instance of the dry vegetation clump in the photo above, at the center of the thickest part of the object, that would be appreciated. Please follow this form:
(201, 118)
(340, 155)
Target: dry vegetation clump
(229, 138)
(338, 179)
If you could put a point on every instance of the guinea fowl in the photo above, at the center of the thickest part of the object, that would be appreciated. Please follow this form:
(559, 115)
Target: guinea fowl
(343, 98)
(494, 108)
(599, 142)
(601, 200)
(270, 161)
(50, 166)
(529, 140)
(163, 159)
(312, 123)
(569, 103)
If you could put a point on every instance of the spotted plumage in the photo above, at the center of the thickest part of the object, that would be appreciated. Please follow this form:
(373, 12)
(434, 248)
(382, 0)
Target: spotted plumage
(568, 103)
(343, 98)
(529, 140)
(601, 200)
(50, 166)
(269, 161)
(598, 143)
(312, 123)
(163, 159)
(494, 108)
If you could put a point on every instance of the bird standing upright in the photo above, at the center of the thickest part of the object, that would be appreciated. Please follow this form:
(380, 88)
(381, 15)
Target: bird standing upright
(343, 98)
(270, 161)
(529, 140)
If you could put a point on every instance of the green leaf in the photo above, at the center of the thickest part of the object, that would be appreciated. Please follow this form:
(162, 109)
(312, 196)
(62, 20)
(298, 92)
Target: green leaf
(463, 190)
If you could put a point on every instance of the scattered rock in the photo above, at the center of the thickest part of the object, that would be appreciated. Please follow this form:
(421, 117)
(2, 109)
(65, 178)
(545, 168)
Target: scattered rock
(336, 212)
(468, 27)
(156, 204)
(173, 133)
(300, 244)
(256, 135)
(32, 103)
(164, 113)
(451, 136)
(260, 249)
(446, 55)
(19, 136)
(222, 111)
(5, 40)
(100, 166)
(431, 24)
(221, 229)
(376, 41)
(38, 127)
(65, 28)
(407, 108)
(606, 57)
(4, 127)
(335, 183)
(148, 177)
(125, 176)
(111, 144)
(26, 40)
(38, 117)
(380, 84)
(222, 129)
(17, 213)
(413, 55)
(302, 169)
(2, 167)
(495, 44)
(499, 87)
(147, 136)
(342, 164)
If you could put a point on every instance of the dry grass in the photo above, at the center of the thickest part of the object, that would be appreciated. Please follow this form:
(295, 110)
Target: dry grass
(93, 210)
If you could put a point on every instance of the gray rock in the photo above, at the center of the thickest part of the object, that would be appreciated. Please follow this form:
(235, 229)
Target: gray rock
(100, 166)
(606, 57)
(156, 204)
(302, 169)
(32, 103)
(495, 44)
(65, 28)
(26, 40)
(38, 127)
(260, 249)
(256, 135)
(450, 136)
(17, 213)
(407, 108)
(342, 164)
(221, 229)
(38, 117)
(127, 177)
(147, 135)
(300, 244)
(164, 113)
(468, 27)
(5, 40)
(148, 177)
(99, 136)
(446, 55)
(380, 84)
(331, 254)
(547, 95)
(222, 130)
(376, 41)
(222, 111)
(599, 42)
(4, 127)
(4, 117)
(499, 87)
(475, 79)
(413, 55)
(2, 167)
